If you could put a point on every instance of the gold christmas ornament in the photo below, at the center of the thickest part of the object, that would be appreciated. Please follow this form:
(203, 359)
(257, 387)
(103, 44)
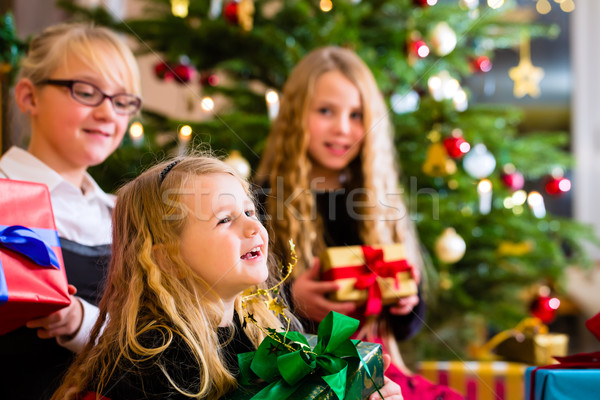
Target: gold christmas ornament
(245, 14)
(239, 163)
(437, 162)
(450, 247)
(516, 249)
(179, 8)
(526, 76)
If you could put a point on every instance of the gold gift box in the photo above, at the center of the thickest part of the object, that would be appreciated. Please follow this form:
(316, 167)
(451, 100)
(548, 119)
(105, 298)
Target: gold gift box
(392, 288)
(534, 349)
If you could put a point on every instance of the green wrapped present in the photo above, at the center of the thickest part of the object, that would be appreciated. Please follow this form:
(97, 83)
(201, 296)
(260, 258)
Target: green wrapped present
(328, 366)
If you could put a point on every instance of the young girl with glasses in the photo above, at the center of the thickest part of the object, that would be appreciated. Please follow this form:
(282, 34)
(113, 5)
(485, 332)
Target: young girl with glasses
(79, 86)
(186, 244)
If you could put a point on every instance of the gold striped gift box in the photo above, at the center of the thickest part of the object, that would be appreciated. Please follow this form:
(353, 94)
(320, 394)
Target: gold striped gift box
(479, 380)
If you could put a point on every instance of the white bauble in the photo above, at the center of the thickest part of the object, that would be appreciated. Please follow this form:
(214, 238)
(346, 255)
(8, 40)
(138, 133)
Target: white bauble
(479, 162)
(443, 39)
(450, 246)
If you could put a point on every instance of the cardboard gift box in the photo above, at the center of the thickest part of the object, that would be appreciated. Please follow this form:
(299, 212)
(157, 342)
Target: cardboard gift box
(330, 351)
(377, 275)
(478, 380)
(33, 282)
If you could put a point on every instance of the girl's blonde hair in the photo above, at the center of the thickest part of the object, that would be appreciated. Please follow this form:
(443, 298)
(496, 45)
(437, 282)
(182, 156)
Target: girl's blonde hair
(150, 287)
(286, 164)
(98, 47)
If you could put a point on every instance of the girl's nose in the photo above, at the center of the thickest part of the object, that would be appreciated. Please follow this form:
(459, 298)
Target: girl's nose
(252, 227)
(343, 124)
(105, 109)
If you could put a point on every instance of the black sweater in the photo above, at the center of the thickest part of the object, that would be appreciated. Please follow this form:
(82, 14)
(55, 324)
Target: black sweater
(144, 379)
(341, 229)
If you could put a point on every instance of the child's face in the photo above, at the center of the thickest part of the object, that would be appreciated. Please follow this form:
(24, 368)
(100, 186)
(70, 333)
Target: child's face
(69, 134)
(222, 239)
(335, 123)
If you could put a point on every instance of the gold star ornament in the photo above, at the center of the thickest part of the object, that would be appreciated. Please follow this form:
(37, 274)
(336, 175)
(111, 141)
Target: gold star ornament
(526, 76)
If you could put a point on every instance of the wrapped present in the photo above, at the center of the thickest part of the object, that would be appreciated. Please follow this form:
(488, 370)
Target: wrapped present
(563, 384)
(574, 377)
(376, 276)
(478, 380)
(529, 342)
(536, 349)
(327, 366)
(33, 282)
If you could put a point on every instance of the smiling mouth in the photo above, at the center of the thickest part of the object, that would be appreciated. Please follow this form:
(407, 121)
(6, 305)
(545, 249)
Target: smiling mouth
(337, 147)
(252, 254)
(97, 132)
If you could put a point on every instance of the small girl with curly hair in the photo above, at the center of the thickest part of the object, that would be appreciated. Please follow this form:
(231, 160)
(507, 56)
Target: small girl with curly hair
(330, 178)
(186, 244)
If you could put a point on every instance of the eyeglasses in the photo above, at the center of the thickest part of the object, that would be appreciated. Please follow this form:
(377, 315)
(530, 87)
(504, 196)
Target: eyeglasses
(89, 95)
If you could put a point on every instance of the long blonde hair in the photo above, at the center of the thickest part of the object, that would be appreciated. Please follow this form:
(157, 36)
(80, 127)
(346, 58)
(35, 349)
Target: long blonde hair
(286, 165)
(151, 288)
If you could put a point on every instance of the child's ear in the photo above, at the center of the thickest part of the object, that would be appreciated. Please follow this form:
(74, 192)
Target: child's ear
(25, 95)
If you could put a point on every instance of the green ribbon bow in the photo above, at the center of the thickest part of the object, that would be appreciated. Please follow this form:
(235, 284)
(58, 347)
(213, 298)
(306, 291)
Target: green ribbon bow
(285, 367)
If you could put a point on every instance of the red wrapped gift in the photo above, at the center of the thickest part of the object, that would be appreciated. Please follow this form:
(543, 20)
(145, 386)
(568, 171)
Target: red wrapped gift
(33, 282)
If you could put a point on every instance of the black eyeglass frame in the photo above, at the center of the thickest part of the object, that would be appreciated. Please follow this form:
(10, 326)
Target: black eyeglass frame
(69, 83)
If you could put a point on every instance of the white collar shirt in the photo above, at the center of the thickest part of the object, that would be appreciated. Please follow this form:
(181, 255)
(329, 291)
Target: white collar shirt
(81, 215)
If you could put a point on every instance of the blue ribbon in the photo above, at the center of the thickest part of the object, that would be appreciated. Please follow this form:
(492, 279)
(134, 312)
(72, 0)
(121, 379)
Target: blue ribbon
(29, 244)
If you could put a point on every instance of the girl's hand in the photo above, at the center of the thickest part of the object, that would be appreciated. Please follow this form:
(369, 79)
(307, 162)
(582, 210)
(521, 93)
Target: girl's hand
(405, 305)
(390, 390)
(64, 322)
(308, 295)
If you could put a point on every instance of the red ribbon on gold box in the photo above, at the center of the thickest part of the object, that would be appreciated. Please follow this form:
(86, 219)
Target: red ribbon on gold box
(479, 380)
(377, 275)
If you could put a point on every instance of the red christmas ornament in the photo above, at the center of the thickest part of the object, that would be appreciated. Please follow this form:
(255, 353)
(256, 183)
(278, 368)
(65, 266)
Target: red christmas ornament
(425, 3)
(420, 48)
(558, 186)
(208, 78)
(481, 64)
(160, 69)
(513, 180)
(544, 308)
(456, 147)
(230, 12)
(184, 73)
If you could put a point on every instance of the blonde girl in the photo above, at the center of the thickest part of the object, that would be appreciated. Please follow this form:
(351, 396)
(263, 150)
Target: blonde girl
(330, 178)
(78, 86)
(333, 134)
(186, 243)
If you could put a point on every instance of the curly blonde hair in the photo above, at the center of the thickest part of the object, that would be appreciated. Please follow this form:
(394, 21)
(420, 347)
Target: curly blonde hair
(150, 287)
(286, 166)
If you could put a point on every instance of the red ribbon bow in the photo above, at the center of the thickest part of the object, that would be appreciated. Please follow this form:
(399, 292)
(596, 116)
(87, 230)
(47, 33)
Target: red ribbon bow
(376, 266)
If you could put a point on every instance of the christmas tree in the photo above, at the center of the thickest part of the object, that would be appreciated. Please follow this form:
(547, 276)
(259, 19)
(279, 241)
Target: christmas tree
(463, 165)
